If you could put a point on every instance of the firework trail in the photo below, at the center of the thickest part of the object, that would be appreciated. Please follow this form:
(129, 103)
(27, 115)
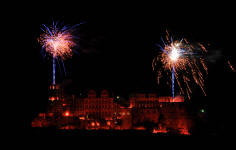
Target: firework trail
(58, 42)
(231, 67)
(183, 61)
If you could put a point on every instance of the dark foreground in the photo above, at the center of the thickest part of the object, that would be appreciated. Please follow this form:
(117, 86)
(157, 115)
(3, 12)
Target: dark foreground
(102, 133)
(51, 132)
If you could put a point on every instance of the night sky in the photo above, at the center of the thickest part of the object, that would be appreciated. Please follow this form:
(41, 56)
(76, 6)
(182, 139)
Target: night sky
(117, 45)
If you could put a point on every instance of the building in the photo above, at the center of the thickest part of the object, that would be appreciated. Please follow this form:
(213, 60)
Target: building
(165, 113)
(101, 107)
(98, 110)
(145, 108)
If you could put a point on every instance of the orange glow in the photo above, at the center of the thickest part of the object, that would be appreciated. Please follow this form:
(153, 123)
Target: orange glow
(67, 113)
(93, 124)
(177, 99)
(140, 128)
(67, 127)
(163, 130)
(52, 98)
(170, 99)
(131, 106)
(184, 132)
(82, 118)
(108, 123)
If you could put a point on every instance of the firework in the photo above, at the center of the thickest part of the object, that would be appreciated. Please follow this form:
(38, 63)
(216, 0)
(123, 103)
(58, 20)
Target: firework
(231, 67)
(183, 61)
(57, 42)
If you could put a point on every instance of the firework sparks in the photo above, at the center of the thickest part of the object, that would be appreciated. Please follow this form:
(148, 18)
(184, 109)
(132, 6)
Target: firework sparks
(57, 42)
(232, 68)
(183, 60)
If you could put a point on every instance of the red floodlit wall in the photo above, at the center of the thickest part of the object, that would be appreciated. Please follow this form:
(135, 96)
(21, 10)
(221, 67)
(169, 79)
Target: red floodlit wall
(170, 99)
(165, 112)
(164, 99)
(102, 107)
(104, 94)
(144, 108)
(125, 115)
(91, 93)
(178, 99)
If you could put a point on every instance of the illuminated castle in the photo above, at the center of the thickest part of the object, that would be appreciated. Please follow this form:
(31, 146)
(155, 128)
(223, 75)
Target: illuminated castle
(100, 111)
